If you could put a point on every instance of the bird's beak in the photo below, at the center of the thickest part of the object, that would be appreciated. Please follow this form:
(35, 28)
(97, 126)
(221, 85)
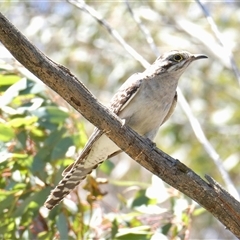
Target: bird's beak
(198, 56)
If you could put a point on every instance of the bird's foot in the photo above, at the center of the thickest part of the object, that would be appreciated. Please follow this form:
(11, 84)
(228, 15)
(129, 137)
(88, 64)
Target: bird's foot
(151, 143)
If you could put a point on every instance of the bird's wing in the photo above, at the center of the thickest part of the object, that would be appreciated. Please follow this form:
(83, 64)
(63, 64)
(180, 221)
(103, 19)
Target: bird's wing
(87, 148)
(126, 93)
(171, 110)
(97, 149)
(118, 102)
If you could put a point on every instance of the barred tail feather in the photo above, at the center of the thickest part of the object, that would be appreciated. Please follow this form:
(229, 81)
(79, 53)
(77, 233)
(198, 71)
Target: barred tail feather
(67, 184)
(93, 154)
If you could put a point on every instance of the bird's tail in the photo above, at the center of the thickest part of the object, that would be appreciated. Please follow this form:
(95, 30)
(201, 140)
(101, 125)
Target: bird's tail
(98, 149)
(68, 183)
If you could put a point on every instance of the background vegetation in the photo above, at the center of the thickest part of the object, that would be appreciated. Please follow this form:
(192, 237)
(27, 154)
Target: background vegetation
(40, 133)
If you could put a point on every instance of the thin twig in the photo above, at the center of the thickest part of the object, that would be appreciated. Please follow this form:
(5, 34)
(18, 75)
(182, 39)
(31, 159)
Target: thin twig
(207, 145)
(144, 30)
(220, 39)
(86, 8)
(183, 102)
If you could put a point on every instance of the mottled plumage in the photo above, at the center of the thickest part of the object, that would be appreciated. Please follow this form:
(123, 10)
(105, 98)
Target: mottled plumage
(145, 101)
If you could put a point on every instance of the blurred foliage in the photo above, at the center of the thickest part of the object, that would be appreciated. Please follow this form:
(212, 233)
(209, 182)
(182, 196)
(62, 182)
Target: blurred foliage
(40, 134)
(37, 139)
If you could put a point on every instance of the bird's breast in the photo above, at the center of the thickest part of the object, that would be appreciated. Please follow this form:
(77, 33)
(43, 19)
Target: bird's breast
(147, 110)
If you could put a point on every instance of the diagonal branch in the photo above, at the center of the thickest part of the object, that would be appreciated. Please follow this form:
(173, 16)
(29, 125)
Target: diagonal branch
(144, 30)
(210, 195)
(84, 7)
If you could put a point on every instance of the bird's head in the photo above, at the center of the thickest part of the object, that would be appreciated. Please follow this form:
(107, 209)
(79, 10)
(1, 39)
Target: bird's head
(175, 62)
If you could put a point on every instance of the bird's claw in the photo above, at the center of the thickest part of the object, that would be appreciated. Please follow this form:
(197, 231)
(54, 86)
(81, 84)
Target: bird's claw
(151, 143)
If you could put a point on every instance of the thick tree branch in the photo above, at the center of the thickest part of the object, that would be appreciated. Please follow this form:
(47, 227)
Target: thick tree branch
(209, 195)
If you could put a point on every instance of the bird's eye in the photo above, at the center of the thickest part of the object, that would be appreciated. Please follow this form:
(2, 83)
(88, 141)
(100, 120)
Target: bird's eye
(177, 58)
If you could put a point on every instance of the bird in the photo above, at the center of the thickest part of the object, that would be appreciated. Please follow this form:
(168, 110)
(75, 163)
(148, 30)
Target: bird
(145, 101)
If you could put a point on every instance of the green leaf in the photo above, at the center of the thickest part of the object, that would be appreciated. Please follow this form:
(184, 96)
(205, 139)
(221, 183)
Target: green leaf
(36, 132)
(134, 236)
(56, 115)
(22, 139)
(6, 203)
(199, 211)
(45, 235)
(106, 167)
(54, 138)
(81, 137)
(62, 226)
(24, 121)
(38, 198)
(52, 114)
(114, 229)
(166, 228)
(8, 79)
(44, 155)
(40, 159)
(20, 156)
(6, 133)
(61, 148)
(137, 233)
(12, 92)
(141, 199)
